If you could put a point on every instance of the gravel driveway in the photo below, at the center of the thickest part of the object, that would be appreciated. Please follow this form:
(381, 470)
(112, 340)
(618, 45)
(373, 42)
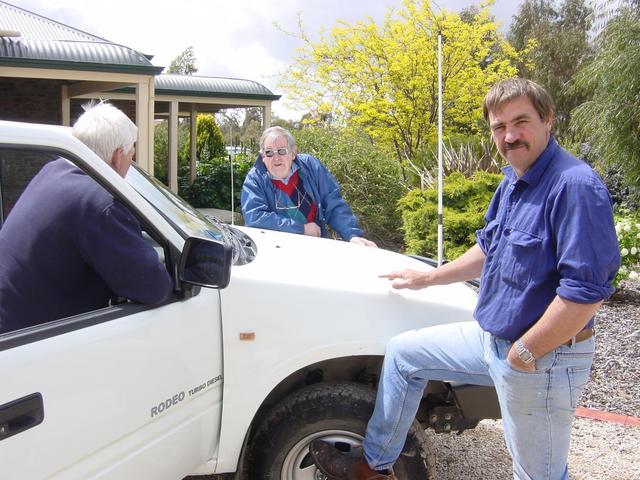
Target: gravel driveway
(615, 377)
(602, 451)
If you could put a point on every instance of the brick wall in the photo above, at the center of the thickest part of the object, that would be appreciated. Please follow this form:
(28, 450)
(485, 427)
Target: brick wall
(17, 168)
(39, 101)
(30, 100)
(128, 107)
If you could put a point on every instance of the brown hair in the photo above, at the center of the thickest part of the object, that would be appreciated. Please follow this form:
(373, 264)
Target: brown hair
(512, 88)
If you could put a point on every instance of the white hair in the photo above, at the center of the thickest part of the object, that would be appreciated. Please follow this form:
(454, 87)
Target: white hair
(277, 132)
(104, 129)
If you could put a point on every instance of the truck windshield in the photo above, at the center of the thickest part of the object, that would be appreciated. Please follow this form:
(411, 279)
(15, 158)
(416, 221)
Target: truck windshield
(189, 221)
(186, 219)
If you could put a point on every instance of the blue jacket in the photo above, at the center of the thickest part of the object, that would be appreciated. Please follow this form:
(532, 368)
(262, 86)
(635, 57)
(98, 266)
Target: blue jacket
(68, 247)
(259, 205)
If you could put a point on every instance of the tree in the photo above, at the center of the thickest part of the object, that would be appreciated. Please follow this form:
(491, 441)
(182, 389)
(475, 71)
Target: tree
(291, 125)
(229, 122)
(211, 187)
(383, 78)
(209, 140)
(251, 128)
(610, 120)
(369, 178)
(184, 64)
(558, 43)
(241, 127)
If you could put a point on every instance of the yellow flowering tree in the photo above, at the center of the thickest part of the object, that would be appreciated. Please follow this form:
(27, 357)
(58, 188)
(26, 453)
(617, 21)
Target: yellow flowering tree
(383, 78)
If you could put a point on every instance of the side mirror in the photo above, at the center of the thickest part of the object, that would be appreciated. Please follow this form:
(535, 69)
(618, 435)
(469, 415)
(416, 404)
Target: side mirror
(205, 262)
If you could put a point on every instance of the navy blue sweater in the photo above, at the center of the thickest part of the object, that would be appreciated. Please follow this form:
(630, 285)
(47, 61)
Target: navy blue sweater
(67, 247)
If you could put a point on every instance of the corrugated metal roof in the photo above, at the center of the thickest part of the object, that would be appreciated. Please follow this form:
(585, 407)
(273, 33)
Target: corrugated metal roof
(73, 55)
(190, 85)
(45, 43)
(36, 27)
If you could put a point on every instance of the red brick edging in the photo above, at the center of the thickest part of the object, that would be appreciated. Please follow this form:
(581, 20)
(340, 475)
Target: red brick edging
(607, 416)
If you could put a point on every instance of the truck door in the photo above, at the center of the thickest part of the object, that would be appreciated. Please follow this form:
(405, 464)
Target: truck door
(126, 391)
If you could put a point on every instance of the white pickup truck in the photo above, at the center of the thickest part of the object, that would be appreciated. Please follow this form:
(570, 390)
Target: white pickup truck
(270, 340)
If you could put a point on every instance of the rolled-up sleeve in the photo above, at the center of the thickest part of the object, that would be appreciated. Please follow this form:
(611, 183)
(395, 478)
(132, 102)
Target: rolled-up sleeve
(587, 246)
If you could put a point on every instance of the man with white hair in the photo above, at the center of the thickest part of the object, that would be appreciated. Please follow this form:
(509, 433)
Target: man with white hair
(69, 246)
(293, 192)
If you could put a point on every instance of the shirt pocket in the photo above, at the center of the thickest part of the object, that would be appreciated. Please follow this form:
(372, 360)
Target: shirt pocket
(523, 252)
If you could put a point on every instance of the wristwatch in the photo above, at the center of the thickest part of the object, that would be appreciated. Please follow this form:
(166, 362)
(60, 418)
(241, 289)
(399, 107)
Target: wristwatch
(523, 353)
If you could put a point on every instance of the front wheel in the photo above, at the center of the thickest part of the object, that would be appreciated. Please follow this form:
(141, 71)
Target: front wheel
(335, 412)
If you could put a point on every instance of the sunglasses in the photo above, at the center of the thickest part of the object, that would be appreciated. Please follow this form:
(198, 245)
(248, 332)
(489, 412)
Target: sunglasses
(280, 151)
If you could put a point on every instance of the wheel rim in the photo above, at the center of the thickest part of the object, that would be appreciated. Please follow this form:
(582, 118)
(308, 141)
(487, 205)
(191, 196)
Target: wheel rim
(298, 464)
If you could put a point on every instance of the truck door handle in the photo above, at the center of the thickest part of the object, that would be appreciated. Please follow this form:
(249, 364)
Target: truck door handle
(20, 415)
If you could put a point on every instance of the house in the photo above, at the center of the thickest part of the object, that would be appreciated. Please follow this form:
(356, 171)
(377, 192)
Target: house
(48, 70)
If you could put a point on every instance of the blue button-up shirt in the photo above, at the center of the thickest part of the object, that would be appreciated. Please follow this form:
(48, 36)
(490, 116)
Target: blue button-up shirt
(550, 232)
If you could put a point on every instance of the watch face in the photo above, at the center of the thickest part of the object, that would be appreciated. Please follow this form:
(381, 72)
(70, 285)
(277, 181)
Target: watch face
(525, 355)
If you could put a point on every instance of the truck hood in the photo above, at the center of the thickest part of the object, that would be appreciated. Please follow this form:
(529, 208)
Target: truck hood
(333, 279)
(324, 263)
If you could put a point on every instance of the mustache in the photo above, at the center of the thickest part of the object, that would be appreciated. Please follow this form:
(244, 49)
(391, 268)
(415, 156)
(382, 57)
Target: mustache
(514, 145)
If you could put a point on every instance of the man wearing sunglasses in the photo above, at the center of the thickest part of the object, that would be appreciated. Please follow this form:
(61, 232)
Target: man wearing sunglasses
(295, 193)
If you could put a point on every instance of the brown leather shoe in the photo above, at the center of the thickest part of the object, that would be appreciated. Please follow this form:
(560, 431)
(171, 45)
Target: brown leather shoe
(338, 466)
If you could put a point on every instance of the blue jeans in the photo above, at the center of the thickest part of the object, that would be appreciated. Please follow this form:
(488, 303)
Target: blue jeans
(537, 407)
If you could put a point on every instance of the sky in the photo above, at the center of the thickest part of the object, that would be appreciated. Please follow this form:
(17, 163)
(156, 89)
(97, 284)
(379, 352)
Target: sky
(231, 38)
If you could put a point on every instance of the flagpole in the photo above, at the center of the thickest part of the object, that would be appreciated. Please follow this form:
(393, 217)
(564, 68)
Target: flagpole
(232, 156)
(439, 148)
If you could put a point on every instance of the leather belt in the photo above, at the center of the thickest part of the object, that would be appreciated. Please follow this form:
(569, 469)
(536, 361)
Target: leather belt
(581, 336)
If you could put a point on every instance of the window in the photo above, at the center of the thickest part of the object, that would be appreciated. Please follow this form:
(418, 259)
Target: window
(17, 168)
(65, 280)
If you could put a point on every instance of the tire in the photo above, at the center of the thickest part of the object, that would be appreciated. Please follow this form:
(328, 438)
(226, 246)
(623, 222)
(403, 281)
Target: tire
(334, 412)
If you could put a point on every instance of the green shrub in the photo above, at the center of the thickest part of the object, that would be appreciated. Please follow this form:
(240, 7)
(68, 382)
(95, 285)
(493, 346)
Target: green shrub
(465, 201)
(624, 193)
(209, 140)
(628, 230)
(212, 186)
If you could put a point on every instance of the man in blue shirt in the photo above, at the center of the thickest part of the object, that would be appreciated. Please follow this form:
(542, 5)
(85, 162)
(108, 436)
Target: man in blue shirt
(546, 258)
(68, 246)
